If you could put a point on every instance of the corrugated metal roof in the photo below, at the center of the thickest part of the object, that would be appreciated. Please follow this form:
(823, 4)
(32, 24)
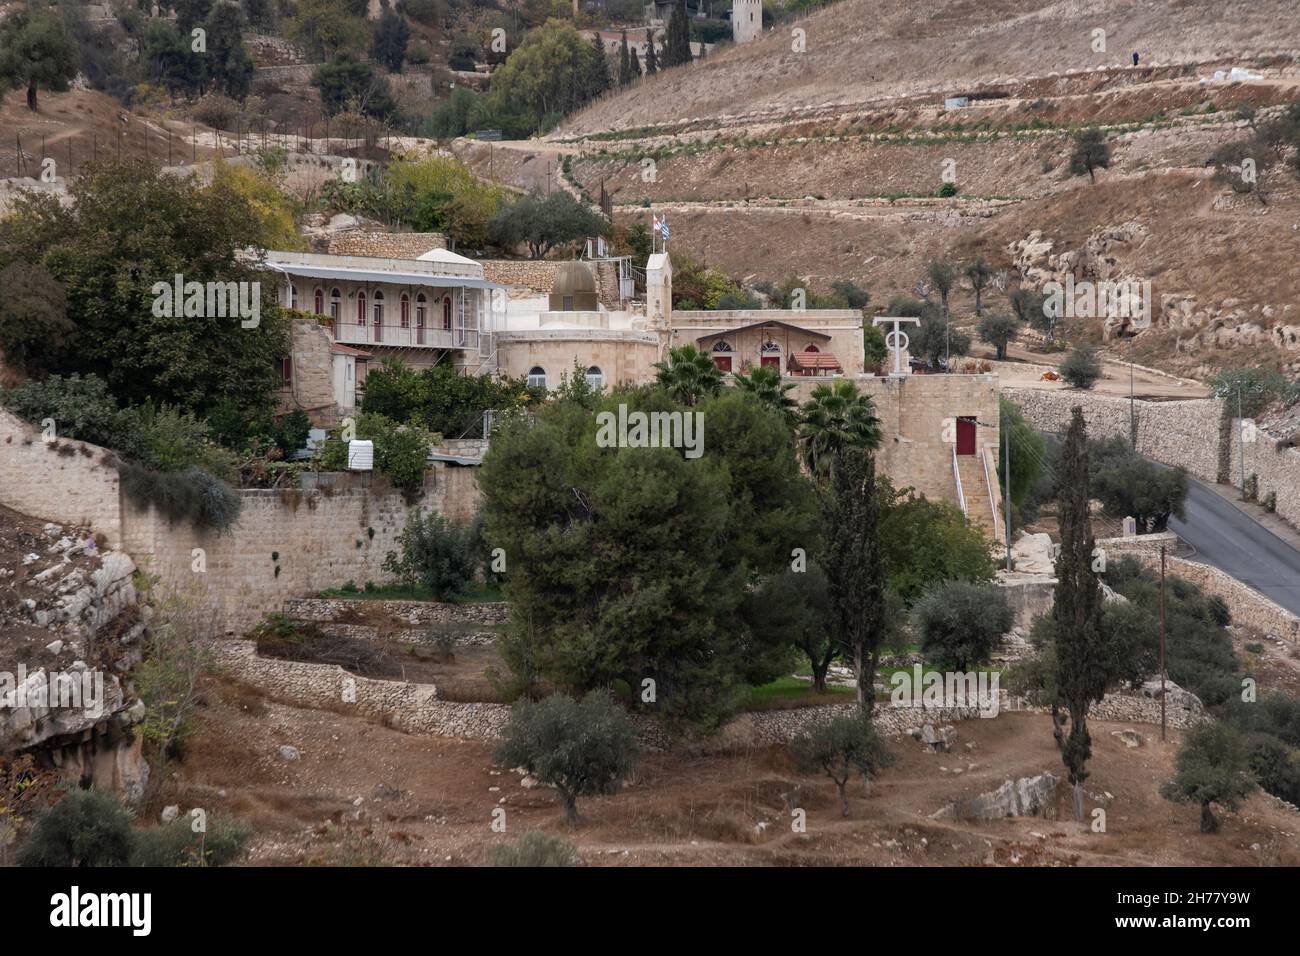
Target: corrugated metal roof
(370, 275)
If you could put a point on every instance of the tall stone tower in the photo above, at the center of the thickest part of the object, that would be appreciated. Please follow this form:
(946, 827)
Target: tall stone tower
(746, 20)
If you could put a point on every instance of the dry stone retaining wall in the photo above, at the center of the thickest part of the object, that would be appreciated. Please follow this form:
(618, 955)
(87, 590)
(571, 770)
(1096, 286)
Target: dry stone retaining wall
(1187, 433)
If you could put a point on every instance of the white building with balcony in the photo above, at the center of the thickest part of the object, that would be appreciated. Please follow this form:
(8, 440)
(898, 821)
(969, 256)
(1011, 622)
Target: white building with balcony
(430, 309)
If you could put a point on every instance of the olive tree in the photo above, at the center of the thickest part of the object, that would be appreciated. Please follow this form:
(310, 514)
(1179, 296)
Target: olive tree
(582, 748)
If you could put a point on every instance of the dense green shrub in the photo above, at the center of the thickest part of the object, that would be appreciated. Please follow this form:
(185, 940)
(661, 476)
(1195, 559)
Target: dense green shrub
(534, 848)
(1081, 368)
(401, 451)
(961, 623)
(1258, 388)
(192, 495)
(85, 828)
(435, 552)
(176, 843)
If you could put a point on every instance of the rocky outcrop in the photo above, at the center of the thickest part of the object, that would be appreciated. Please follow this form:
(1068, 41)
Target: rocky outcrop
(70, 634)
(1025, 797)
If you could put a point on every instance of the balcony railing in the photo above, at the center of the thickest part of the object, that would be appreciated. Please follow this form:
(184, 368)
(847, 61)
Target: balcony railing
(352, 333)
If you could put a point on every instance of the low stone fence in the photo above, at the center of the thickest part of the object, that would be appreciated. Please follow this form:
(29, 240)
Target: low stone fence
(413, 613)
(416, 709)
(412, 708)
(1249, 608)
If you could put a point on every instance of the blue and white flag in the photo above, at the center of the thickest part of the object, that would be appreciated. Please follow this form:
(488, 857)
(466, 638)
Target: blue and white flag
(663, 228)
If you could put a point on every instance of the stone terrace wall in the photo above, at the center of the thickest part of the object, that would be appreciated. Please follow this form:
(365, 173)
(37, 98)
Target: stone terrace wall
(68, 482)
(1177, 433)
(413, 708)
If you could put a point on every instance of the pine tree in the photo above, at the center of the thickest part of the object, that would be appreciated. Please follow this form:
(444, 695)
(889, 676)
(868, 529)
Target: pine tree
(651, 58)
(1076, 614)
(677, 43)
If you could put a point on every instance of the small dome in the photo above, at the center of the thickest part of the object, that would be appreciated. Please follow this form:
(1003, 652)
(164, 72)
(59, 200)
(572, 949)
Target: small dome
(574, 288)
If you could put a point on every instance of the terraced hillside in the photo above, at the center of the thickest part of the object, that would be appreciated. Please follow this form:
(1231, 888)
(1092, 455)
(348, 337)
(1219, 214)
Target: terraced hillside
(827, 164)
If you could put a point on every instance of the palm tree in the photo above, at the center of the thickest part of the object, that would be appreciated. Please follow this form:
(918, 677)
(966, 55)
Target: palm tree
(837, 416)
(764, 383)
(688, 375)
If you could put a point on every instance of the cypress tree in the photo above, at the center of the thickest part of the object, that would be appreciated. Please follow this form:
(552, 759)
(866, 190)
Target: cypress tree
(855, 565)
(677, 42)
(651, 58)
(598, 79)
(634, 68)
(624, 63)
(1076, 613)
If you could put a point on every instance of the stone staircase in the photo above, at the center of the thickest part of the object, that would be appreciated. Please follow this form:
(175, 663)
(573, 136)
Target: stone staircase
(974, 485)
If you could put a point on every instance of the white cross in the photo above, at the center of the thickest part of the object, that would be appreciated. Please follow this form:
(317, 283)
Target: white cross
(897, 339)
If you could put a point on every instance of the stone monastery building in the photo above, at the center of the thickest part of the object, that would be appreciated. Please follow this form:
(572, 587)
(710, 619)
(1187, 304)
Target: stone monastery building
(374, 296)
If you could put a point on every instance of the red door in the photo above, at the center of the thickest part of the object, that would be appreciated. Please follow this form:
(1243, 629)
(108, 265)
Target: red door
(723, 362)
(966, 436)
(771, 361)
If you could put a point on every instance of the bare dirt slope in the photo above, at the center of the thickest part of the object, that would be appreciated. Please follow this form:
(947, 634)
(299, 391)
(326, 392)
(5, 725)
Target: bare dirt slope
(858, 50)
(362, 793)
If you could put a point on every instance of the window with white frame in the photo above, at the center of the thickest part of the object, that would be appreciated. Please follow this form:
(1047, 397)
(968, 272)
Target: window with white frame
(537, 377)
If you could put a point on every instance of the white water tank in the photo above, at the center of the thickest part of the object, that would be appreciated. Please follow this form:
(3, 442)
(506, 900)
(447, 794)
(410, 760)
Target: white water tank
(361, 455)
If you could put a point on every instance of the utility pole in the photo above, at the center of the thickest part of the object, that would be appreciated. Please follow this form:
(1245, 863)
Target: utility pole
(1132, 419)
(1006, 481)
(1162, 642)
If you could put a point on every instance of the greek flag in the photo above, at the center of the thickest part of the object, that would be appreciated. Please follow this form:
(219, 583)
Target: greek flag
(663, 228)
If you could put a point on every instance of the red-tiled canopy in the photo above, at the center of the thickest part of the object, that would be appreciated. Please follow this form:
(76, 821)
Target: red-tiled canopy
(814, 360)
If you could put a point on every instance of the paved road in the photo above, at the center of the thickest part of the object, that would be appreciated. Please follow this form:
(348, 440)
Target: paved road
(1231, 540)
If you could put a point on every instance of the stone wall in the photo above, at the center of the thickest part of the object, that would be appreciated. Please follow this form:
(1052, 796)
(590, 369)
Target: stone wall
(538, 276)
(386, 245)
(1249, 608)
(287, 543)
(69, 482)
(1186, 433)
(623, 356)
(312, 387)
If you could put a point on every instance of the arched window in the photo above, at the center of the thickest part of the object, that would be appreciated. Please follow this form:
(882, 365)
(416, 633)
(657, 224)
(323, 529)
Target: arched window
(421, 311)
(537, 376)
(361, 308)
(722, 356)
(293, 296)
(406, 311)
(810, 347)
(318, 301)
(595, 378)
(336, 304)
(446, 313)
(379, 316)
(769, 355)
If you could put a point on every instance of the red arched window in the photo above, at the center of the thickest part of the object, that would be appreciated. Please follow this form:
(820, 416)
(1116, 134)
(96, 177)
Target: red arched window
(361, 308)
(406, 311)
(446, 313)
(319, 301)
